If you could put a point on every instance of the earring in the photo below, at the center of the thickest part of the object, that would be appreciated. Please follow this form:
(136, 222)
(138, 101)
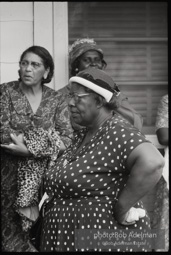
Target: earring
(76, 69)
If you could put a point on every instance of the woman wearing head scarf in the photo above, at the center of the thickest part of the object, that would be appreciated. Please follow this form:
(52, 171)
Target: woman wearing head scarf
(97, 184)
(34, 129)
(86, 53)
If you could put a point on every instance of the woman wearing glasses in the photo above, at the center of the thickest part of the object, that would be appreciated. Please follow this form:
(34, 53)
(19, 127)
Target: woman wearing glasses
(96, 186)
(34, 130)
(86, 53)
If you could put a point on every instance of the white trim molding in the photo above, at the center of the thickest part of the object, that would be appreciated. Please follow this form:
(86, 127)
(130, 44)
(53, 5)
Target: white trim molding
(60, 13)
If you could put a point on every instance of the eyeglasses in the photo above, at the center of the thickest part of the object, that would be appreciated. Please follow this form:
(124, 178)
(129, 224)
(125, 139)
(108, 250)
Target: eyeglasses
(34, 65)
(76, 96)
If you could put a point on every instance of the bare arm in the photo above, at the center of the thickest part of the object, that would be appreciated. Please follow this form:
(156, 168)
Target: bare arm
(163, 136)
(146, 164)
(17, 146)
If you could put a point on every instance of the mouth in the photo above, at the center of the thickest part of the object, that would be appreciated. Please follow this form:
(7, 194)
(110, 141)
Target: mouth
(27, 77)
(75, 113)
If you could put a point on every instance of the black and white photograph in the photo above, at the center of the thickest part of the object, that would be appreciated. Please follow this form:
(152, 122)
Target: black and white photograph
(84, 126)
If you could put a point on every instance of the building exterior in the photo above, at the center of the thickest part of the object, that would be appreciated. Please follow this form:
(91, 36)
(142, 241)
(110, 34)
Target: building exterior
(133, 35)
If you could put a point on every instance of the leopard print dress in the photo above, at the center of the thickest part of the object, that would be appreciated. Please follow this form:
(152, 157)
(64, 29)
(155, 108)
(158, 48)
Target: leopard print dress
(31, 170)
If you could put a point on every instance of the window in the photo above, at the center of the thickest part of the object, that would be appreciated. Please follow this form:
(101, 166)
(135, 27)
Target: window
(133, 36)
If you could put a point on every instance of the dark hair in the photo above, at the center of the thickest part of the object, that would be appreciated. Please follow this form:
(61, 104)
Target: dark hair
(45, 56)
(76, 63)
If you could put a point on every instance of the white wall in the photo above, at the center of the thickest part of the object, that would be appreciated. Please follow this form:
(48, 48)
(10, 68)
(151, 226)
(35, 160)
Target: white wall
(61, 43)
(16, 34)
(43, 28)
(51, 31)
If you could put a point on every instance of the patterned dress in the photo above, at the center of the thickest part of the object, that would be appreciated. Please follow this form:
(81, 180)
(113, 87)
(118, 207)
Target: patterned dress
(84, 186)
(160, 218)
(17, 117)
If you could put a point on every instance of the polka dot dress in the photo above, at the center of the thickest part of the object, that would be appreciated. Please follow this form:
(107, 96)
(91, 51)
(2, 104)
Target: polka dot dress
(84, 187)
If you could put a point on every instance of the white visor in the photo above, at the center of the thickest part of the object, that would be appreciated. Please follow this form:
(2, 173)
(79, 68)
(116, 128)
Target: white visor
(98, 89)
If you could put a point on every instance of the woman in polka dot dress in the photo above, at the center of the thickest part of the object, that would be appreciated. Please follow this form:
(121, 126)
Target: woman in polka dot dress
(97, 184)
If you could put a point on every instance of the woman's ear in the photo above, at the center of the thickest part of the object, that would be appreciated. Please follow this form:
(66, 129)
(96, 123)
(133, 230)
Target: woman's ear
(100, 102)
(19, 73)
(46, 73)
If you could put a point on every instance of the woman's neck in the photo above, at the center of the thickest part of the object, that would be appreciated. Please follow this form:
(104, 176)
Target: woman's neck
(92, 129)
(33, 95)
(102, 118)
(31, 90)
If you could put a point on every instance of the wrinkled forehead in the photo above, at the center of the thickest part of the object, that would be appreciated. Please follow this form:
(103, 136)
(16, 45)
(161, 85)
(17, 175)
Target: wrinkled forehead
(32, 57)
(76, 87)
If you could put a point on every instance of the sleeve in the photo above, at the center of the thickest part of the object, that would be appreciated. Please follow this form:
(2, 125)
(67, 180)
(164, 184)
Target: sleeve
(128, 139)
(42, 143)
(127, 111)
(5, 128)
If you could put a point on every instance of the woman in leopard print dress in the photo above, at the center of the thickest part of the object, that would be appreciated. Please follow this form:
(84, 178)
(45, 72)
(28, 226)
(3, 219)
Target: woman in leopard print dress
(37, 114)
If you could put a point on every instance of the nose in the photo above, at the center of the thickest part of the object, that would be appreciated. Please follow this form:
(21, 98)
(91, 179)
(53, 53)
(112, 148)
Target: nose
(93, 63)
(71, 102)
(29, 67)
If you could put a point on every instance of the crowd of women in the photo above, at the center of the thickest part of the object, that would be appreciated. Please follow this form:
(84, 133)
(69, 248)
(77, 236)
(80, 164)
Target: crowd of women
(82, 146)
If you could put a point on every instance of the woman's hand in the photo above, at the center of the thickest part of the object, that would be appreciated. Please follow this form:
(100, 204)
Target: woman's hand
(17, 147)
(61, 149)
(133, 215)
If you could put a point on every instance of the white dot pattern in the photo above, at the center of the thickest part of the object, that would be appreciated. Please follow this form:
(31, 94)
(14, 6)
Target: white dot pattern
(85, 186)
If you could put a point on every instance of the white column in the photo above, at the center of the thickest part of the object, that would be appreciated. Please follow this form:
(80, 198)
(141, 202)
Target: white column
(16, 34)
(43, 28)
(51, 32)
(61, 43)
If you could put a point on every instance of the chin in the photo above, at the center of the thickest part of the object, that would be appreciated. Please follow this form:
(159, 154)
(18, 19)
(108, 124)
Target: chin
(77, 120)
(26, 82)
